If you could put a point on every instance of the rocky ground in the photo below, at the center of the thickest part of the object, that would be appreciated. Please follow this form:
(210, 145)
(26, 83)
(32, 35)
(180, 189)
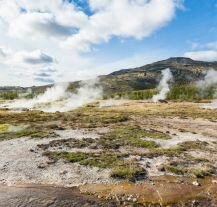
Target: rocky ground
(102, 146)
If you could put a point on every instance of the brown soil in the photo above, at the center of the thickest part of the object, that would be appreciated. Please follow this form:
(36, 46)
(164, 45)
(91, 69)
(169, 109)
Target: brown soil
(160, 191)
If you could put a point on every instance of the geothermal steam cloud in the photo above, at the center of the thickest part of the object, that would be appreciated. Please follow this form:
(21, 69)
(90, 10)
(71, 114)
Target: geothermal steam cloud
(209, 80)
(164, 85)
(59, 99)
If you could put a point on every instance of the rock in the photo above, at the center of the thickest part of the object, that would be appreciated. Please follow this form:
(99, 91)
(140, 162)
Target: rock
(51, 162)
(63, 172)
(134, 199)
(161, 168)
(93, 146)
(42, 165)
(148, 164)
(162, 101)
(195, 183)
(61, 128)
(214, 181)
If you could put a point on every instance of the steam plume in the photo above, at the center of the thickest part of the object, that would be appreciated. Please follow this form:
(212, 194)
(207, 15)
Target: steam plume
(209, 80)
(59, 99)
(163, 86)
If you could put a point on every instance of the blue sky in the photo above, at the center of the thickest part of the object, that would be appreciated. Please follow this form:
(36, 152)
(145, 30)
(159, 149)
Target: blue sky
(195, 24)
(58, 41)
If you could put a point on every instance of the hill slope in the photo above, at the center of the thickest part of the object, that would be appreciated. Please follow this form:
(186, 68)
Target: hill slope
(184, 70)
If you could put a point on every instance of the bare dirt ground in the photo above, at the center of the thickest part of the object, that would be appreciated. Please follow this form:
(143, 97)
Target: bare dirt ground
(101, 146)
(23, 163)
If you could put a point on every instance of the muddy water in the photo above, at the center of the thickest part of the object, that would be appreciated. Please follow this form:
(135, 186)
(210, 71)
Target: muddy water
(44, 196)
(161, 191)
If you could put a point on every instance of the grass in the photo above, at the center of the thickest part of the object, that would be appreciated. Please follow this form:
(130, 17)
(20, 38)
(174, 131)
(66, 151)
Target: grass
(4, 127)
(170, 152)
(9, 95)
(174, 169)
(87, 117)
(141, 143)
(128, 170)
(172, 109)
(24, 132)
(193, 145)
(198, 173)
(103, 159)
(71, 157)
(181, 92)
(133, 95)
(177, 150)
(190, 92)
(120, 168)
(128, 136)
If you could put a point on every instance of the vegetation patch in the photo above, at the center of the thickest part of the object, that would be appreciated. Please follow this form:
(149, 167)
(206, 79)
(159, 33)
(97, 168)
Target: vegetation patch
(174, 169)
(179, 91)
(9, 95)
(128, 170)
(133, 95)
(177, 150)
(120, 168)
(4, 127)
(204, 170)
(131, 136)
(25, 132)
(69, 143)
(193, 145)
(170, 152)
(103, 159)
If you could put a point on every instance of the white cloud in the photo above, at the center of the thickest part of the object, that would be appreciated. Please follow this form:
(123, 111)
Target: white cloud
(29, 27)
(123, 18)
(37, 25)
(33, 58)
(35, 65)
(204, 55)
(41, 18)
(4, 52)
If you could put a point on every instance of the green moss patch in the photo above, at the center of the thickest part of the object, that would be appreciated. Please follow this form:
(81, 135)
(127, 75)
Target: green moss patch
(128, 170)
(120, 168)
(103, 159)
(126, 136)
(174, 169)
(25, 132)
(4, 127)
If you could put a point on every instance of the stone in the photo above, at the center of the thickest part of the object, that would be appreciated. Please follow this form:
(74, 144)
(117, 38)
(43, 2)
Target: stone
(196, 183)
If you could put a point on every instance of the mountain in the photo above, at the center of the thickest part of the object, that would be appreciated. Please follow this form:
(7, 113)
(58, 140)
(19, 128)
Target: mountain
(184, 70)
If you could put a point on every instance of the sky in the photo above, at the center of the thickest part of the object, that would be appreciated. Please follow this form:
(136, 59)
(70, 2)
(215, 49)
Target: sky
(53, 41)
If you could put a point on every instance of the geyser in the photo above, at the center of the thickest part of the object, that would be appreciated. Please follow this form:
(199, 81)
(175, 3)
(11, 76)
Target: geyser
(164, 85)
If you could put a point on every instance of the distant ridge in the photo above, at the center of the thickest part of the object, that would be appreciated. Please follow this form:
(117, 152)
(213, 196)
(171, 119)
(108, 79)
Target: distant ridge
(184, 70)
